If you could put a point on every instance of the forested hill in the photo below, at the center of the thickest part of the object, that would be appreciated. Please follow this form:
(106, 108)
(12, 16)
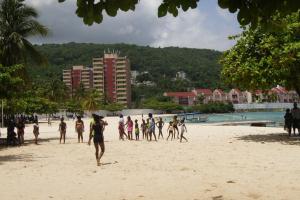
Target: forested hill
(200, 65)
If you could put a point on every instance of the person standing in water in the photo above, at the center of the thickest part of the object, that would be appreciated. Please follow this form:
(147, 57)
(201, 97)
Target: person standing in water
(183, 130)
(62, 130)
(79, 128)
(36, 132)
(98, 137)
(160, 125)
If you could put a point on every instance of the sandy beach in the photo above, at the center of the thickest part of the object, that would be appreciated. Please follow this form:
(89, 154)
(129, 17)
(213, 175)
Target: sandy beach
(218, 162)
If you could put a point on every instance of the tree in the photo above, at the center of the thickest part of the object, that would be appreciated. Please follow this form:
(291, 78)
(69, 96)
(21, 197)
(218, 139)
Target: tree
(92, 101)
(200, 98)
(248, 11)
(18, 22)
(113, 107)
(261, 60)
(10, 84)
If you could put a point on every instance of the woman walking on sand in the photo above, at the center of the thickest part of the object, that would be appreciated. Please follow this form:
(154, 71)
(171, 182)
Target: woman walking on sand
(62, 130)
(79, 127)
(129, 125)
(97, 128)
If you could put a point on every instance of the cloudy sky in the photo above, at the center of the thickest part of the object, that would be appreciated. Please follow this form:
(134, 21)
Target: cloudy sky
(208, 26)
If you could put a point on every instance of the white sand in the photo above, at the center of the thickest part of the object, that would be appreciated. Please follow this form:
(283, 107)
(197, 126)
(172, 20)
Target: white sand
(217, 163)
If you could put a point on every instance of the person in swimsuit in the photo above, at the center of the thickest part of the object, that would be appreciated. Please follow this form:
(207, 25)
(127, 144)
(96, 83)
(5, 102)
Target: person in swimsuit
(175, 125)
(183, 130)
(147, 128)
(20, 130)
(296, 118)
(79, 128)
(62, 130)
(136, 130)
(152, 129)
(160, 125)
(121, 128)
(170, 130)
(36, 132)
(98, 137)
(129, 125)
(143, 127)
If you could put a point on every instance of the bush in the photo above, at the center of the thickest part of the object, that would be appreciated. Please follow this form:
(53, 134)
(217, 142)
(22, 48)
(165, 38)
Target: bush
(167, 106)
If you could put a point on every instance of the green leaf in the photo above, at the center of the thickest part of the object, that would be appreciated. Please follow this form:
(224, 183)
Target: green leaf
(162, 9)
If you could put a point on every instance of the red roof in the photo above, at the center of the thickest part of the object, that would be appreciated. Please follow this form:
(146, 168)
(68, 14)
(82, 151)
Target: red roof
(204, 91)
(180, 94)
(278, 90)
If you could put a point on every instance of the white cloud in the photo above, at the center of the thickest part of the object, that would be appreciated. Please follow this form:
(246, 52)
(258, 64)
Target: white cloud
(195, 28)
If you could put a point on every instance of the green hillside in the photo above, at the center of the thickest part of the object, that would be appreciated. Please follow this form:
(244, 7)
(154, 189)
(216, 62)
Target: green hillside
(200, 65)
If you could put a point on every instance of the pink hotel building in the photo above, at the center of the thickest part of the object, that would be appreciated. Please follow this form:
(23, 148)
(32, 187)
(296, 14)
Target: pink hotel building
(109, 76)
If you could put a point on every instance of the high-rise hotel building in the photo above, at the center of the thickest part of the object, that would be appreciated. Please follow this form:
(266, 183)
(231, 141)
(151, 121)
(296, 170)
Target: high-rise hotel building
(110, 76)
(78, 75)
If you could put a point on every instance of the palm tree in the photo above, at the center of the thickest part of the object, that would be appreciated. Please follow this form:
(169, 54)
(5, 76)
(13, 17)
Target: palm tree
(92, 101)
(18, 22)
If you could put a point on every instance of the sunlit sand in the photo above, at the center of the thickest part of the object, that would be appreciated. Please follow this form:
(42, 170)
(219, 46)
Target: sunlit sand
(218, 162)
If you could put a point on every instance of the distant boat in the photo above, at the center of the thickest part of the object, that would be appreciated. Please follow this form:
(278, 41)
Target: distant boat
(195, 117)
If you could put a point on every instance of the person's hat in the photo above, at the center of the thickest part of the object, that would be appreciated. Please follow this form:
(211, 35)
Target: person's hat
(100, 117)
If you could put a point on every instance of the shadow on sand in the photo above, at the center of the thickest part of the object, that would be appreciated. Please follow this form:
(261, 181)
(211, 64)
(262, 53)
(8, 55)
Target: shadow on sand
(14, 158)
(271, 138)
(3, 144)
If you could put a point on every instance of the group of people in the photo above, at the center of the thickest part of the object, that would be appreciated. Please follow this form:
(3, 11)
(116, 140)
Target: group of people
(148, 127)
(292, 120)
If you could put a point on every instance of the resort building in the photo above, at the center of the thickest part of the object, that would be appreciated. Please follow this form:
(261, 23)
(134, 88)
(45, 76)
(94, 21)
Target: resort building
(182, 98)
(205, 93)
(112, 78)
(235, 96)
(219, 96)
(277, 95)
(247, 97)
(78, 75)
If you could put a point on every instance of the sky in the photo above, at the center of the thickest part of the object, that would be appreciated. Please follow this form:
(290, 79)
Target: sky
(207, 26)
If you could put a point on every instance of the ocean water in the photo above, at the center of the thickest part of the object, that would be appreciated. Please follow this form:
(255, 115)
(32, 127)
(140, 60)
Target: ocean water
(277, 117)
